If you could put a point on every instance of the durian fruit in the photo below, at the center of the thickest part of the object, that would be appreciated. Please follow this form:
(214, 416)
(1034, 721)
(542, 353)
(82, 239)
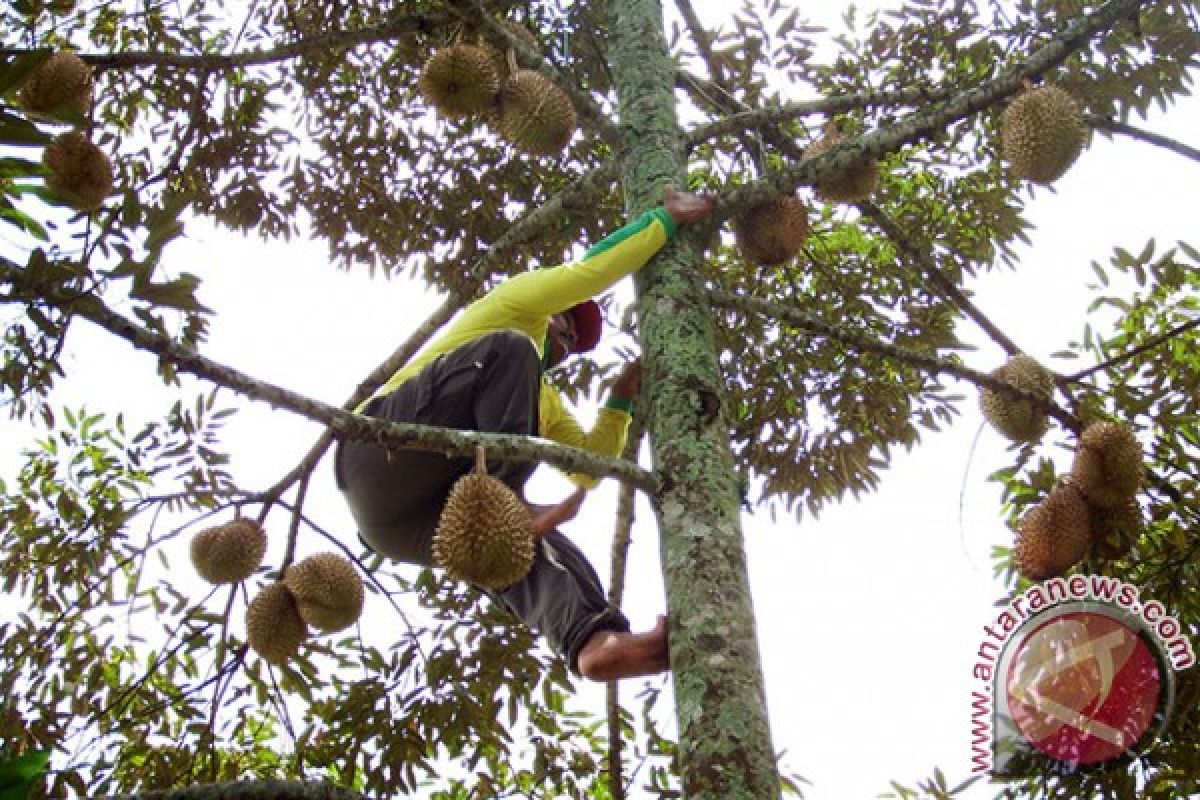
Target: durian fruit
(534, 115)
(79, 170)
(1041, 134)
(483, 536)
(1052, 536)
(274, 627)
(1114, 530)
(1016, 419)
(328, 591)
(229, 553)
(1108, 464)
(62, 81)
(851, 185)
(773, 231)
(459, 80)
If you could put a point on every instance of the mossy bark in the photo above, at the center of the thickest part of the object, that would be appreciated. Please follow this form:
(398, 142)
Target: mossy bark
(725, 743)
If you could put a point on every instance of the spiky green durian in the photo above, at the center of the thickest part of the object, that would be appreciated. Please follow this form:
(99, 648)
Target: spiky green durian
(61, 82)
(274, 627)
(1042, 133)
(484, 534)
(1108, 464)
(534, 115)
(1017, 419)
(328, 591)
(852, 185)
(1052, 536)
(459, 80)
(229, 553)
(773, 231)
(79, 170)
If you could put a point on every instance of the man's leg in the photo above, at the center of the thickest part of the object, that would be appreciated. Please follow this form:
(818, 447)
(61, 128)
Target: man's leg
(562, 599)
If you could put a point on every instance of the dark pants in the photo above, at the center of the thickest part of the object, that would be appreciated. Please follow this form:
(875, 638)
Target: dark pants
(490, 385)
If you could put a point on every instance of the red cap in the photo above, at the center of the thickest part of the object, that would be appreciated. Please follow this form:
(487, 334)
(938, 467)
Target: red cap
(589, 322)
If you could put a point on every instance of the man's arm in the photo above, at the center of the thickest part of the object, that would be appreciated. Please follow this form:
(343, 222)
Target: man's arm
(623, 252)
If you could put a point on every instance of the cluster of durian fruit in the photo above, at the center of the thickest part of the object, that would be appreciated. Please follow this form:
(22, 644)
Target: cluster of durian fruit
(484, 535)
(1095, 507)
(323, 591)
(525, 107)
(60, 88)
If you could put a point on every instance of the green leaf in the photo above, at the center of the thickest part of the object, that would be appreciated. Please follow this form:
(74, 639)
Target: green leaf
(179, 293)
(19, 776)
(14, 72)
(19, 131)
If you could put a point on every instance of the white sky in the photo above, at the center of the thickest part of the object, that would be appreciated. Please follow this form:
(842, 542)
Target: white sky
(868, 618)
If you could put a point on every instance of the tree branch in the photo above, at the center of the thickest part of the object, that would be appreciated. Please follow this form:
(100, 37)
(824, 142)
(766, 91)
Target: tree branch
(755, 118)
(616, 592)
(919, 125)
(947, 287)
(342, 423)
(1135, 352)
(1109, 125)
(393, 29)
(248, 790)
(866, 344)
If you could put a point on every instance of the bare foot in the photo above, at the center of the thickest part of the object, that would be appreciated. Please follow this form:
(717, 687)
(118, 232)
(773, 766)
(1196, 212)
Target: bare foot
(612, 655)
(544, 519)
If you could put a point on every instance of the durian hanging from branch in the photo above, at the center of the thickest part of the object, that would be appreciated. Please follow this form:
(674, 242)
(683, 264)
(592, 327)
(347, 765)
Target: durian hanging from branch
(460, 80)
(855, 183)
(328, 591)
(78, 170)
(229, 553)
(274, 628)
(1016, 419)
(773, 231)
(1108, 466)
(61, 83)
(484, 535)
(1042, 133)
(1054, 535)
(532, 113)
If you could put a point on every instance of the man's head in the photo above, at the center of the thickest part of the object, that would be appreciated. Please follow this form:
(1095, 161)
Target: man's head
(576, 330)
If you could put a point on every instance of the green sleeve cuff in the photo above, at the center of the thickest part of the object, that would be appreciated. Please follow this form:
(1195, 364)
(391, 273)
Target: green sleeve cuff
(619, 404)
(639, 224)
(665, 218)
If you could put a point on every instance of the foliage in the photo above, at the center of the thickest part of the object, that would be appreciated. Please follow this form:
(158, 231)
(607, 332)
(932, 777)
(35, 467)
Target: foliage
(302, 119)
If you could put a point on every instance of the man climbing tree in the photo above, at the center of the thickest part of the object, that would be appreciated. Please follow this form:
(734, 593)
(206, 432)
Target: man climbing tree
(485, 373)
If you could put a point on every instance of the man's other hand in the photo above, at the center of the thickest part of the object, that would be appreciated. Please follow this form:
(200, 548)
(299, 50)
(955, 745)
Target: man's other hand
(628, 380)
(685, 207)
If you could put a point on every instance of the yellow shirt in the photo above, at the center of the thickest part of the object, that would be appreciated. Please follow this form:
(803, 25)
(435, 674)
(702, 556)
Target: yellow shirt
(526, 302)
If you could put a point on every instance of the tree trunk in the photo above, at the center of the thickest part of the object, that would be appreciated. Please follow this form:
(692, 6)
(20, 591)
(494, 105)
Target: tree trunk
(725, 743)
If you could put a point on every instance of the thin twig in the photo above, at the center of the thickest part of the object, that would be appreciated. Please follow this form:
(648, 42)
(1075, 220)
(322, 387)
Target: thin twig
(948, 288)
(1110, 125)
(1135, 352)
(620, 555)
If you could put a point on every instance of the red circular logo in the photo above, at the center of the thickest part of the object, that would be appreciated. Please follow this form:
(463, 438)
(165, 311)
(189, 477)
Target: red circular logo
(1083, 687)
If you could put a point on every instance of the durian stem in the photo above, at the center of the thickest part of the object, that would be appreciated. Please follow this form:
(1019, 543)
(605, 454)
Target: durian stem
(480, 459)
